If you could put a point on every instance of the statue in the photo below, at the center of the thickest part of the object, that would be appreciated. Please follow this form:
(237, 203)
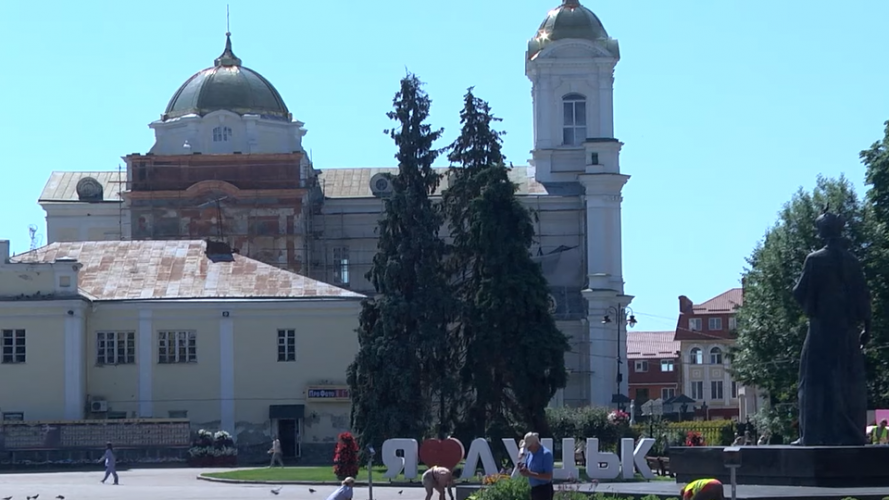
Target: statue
(834, 296)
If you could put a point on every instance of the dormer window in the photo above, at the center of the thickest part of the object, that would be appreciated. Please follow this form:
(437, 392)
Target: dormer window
(222, 134)
(573, 120)
(64, 281)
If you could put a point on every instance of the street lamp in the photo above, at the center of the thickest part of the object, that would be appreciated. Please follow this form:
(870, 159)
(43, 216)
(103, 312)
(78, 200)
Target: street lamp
(623, 316)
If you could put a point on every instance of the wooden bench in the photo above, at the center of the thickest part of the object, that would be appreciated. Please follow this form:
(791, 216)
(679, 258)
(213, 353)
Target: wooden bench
(660, 465)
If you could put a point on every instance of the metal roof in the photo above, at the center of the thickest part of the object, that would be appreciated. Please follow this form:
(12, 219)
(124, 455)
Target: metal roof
(134, 270)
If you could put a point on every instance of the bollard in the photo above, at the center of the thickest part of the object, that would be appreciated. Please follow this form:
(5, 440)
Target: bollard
(732, 460)
(371, 452)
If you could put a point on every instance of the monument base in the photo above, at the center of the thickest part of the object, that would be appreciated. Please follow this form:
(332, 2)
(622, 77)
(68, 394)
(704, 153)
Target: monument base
(821, 466)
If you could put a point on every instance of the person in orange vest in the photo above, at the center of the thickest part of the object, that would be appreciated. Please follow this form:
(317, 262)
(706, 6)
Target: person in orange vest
(703, 489)
(880, 434)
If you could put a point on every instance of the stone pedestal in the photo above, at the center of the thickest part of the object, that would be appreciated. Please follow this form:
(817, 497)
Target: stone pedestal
(823, 466)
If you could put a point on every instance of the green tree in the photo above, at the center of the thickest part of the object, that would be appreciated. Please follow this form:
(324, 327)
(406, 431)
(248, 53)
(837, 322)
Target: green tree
(771, 326)
(876, 161)
(402, 330)
(513, 354)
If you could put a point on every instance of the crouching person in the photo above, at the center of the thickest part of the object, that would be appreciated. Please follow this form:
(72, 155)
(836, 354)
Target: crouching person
(703, 489)
(438, 479)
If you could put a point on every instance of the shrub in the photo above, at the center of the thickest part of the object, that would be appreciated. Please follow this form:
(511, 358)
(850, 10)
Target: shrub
(582, 423)
(506, 489)
(345, 456)
(212, 444)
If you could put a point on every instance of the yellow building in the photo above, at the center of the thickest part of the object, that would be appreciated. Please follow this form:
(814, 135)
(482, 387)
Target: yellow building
(176, 329)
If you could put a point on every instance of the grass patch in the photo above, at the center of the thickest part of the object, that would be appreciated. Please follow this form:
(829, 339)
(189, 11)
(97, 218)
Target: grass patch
(325, 474)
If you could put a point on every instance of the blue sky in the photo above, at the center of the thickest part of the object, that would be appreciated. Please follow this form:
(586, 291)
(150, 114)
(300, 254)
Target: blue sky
(725, 108)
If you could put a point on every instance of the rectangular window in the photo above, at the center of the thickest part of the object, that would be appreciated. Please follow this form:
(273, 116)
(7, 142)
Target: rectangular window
(177, 347)
(695, 324)
(64, 281)
(115, 348)
(642, 396)
(667, 393)
(716, 389)
(734, 390)
(286, 345)
(574, 121)
(594, 158)
(641, 365)
(341, 265)
(714, 324)
(732, 324)
(697, 390)
(13, 346)
(667, 365)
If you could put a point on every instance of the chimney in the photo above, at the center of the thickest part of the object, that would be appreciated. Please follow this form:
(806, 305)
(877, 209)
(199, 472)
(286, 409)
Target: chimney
(686, 306)
(4, 251)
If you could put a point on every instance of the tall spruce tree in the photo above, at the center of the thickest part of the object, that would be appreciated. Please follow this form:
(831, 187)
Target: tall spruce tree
(403, 329)
(771, 326)
(876, 160)
(513, 353)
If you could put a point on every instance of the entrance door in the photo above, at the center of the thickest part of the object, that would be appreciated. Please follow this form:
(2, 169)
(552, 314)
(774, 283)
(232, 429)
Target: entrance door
(287, 433)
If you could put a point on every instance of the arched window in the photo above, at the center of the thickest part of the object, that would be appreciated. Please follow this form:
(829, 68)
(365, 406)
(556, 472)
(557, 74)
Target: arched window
(716, 356)
(696, 356)
(222, 134)
(573, 120)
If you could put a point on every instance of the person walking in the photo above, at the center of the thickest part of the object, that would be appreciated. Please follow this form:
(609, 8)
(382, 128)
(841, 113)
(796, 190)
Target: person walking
(110, 463)
(276, 453)
(538, 468)
(880, 434)
(344, 492)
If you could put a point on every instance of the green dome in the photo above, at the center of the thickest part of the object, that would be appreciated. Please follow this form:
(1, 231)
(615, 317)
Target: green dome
(567, 21)
(229, 86)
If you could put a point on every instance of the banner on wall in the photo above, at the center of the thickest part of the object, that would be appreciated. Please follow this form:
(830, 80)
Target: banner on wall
(328, 394)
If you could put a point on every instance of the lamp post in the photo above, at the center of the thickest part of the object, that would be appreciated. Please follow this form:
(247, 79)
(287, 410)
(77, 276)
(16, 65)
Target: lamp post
(622, 316)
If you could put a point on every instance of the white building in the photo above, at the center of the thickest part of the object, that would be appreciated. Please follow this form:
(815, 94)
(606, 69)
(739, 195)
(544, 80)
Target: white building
(228, 161)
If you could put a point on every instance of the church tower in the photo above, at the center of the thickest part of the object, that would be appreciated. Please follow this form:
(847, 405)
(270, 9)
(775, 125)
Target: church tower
(570, 62)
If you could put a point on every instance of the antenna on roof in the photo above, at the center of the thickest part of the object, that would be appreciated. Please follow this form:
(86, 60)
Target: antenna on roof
(32, 232)
(227, 30)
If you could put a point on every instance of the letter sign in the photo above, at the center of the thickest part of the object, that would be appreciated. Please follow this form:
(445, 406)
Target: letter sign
(599, 465)
(395, 464)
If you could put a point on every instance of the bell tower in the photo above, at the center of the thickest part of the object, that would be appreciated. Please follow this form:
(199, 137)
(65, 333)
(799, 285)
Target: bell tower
(570, 62)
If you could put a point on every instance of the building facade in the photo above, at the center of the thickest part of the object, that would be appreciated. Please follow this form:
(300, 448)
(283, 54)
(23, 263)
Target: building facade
(228, 162)
(653, 366)
(705, 332)
(175, 330)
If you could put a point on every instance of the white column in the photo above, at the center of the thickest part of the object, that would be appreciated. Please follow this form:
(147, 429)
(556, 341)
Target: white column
(546, 116)
(145, 351)
(603, 229)
(227, 374)
(75, 390)
(606, 100)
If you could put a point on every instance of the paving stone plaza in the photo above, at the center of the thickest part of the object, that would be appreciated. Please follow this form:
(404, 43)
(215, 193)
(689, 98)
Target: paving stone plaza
(181, 484)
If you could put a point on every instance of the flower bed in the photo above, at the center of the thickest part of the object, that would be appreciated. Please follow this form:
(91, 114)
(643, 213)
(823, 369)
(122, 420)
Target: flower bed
(211, 449)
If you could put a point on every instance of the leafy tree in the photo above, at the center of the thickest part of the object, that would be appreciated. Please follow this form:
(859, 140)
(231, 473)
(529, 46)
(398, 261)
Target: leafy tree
(876, 160)
(403, 329)
(771, 326)
(514, 356)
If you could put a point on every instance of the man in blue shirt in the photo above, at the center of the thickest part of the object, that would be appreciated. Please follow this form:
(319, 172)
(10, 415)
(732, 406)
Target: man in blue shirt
(538, 468)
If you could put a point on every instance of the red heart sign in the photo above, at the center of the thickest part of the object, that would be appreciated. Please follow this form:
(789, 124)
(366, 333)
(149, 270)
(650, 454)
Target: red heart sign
(441, 452)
